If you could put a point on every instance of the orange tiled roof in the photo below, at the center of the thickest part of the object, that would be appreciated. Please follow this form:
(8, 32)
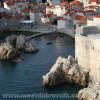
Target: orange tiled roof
(34, 4)
(26, 10)
(85, 11)
(96, 1)
(68, 13)
(81, 19)
(63, 3)
(9, 2)
(76, 2)
(5, 15)
(18, 17)
(61, 18)
(47, 15)
(97, 16)
(78, 17)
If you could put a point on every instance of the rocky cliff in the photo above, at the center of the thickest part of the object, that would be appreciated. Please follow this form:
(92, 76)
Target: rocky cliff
(8, 52)
(13, 44)
(92, 92)
(66, 70)
(21, 43)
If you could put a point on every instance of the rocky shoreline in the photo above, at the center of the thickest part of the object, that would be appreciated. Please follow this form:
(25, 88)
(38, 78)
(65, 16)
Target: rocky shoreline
(67, 70)
(9, 52)
(92, 92)
(11, 49)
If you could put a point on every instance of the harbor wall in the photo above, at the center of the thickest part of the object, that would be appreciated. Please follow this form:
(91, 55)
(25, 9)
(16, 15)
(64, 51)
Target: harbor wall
(87, 52)
(68, 32)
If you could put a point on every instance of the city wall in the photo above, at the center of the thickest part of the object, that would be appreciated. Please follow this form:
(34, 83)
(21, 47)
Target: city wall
(87, 50)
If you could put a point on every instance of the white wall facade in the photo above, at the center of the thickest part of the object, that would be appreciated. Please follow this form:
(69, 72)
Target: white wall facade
(49, 10)
(65, 24)
(45, 20)
(35, 16)
(59, 11)
(61, 24)
(93, 21)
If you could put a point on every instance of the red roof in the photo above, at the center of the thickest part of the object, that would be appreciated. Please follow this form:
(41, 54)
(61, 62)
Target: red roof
(9, 2)
(97, 16)
(96, 1)
(18, 17)
(61, 18)
(47, 15)
(26, 10)
(78, 17)
(68, 13)
(75, 1)
(63, 3)
(34, 4)
(85, 11)
(5, 15)
(81, 19)
(50, 23)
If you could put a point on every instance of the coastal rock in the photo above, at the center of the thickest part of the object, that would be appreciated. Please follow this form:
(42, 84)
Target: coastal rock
(21, 43)
(12, 40)
(92, 92)
(8, 52)
(66, 70)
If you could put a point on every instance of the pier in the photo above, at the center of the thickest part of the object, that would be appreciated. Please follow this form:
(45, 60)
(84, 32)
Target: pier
(43, 29)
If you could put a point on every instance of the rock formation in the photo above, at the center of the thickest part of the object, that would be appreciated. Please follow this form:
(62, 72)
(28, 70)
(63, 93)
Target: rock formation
(66, 70)
(9, 49)
(8, 52)
(12, 40)
(92, 92)
(21, 43)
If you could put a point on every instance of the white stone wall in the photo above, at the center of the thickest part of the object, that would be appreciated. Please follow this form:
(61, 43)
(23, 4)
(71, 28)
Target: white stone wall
(87, 51)
(48, 10)
(59, 11)
(69, 32)
(45, 20)
(61, 24)
(65, 24)
(85, 2)
(35, 16)
(94, 22)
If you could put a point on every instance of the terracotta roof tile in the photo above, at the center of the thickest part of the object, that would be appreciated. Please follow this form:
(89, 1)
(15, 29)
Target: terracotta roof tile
(97, 16)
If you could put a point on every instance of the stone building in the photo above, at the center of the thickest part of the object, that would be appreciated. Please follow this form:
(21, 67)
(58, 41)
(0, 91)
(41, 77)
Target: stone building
(64, 23)
(35, 16)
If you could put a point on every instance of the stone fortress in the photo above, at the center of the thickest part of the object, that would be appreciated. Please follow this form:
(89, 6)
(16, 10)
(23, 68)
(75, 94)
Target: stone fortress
(87, 49)
(87, 53)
